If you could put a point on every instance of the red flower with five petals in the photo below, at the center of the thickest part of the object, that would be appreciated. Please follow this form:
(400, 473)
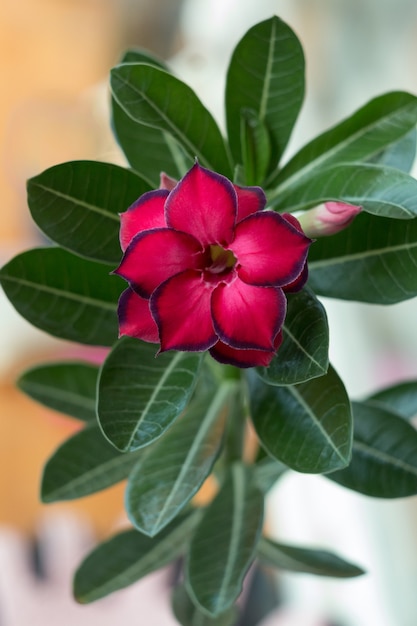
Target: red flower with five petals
(207, 269)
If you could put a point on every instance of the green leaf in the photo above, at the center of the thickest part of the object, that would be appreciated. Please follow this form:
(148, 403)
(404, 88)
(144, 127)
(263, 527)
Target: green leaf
(384, 455)
(400, 399)
(66, 387)
(153, 97)
(308, 426)
(265, 75)
(140, 396)
(77, 205)
(379, 190)
(256, 147)
(188, 614)
(149, 151)
(224, 543)
(140, 55)
(374, 260)
(129, 556)
(306, 560)
(66, 296)
(181, 461)
(267, 472)
(401, 154)
(303, 353)
(375, 126)
(84, 464)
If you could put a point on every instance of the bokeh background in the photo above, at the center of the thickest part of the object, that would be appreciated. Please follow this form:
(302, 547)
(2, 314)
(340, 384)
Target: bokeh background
(54, 64)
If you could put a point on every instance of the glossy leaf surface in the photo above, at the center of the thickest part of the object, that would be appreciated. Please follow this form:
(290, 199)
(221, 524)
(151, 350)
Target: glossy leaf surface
(400, 399)
(256, 148)
(140, 395)
(148, 150)
(374, 260)
(303, 353)
(401, 154)
(265, 75)
(267, 472)
(155, 98)
(384, 455)
(129, 556)
(305, 560)
(176, 466)
(64, 295)
(77, 205)
(224, 543)
(69, 388)
(378, 190)
(308, 426)
(188, 614)
(84, 464)
(373, 127)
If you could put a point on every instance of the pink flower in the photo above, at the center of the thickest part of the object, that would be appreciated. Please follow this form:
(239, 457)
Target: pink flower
(207, 269)
(328, 219)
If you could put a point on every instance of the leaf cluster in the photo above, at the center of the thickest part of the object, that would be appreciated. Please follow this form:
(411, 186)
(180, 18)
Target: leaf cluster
(171, 425)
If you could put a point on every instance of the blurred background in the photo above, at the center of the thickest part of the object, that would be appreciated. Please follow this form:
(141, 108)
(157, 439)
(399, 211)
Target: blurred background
(54, 63)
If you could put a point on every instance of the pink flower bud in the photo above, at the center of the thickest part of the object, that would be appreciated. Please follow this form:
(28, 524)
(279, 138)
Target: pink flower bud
(328, 219)
(166, 182)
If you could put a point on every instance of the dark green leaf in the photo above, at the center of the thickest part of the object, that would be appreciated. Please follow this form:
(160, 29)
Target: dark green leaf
(224, 543)
(77, 205)
(84, 464)
(384, 455)
(177, 465)
(149, 151)
(304, 350)
(140, 55)
(306, 560)
(66, 387)
(266, 75)
(374, 260)
(155, 98)
(256, 148)
(267, 472)
(400, 399)
(375, 126)
(379, 190)
(308, 426)
(189, 615)
(139, 395)
(129, 556)
(64, 295)
(400, 154)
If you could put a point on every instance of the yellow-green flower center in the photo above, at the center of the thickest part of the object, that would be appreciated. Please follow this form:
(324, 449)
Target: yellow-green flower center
(221, 259)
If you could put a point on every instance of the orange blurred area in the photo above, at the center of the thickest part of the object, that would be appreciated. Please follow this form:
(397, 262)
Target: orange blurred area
(29, 434)
(55, 59)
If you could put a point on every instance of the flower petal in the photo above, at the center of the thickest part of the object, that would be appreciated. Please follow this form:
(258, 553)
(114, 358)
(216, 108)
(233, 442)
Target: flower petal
(135, 319)
(244, 358)
(246, 316)
(181, 308)
(301, 279)
(249, 200)
(269, 250)
(146, 213)
(298, 283)
(203, 204)
(155, 255)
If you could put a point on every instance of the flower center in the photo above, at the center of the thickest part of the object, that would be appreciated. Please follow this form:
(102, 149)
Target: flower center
(220, 259)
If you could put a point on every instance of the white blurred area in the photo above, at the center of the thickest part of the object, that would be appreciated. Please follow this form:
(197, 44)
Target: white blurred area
(355, 50)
